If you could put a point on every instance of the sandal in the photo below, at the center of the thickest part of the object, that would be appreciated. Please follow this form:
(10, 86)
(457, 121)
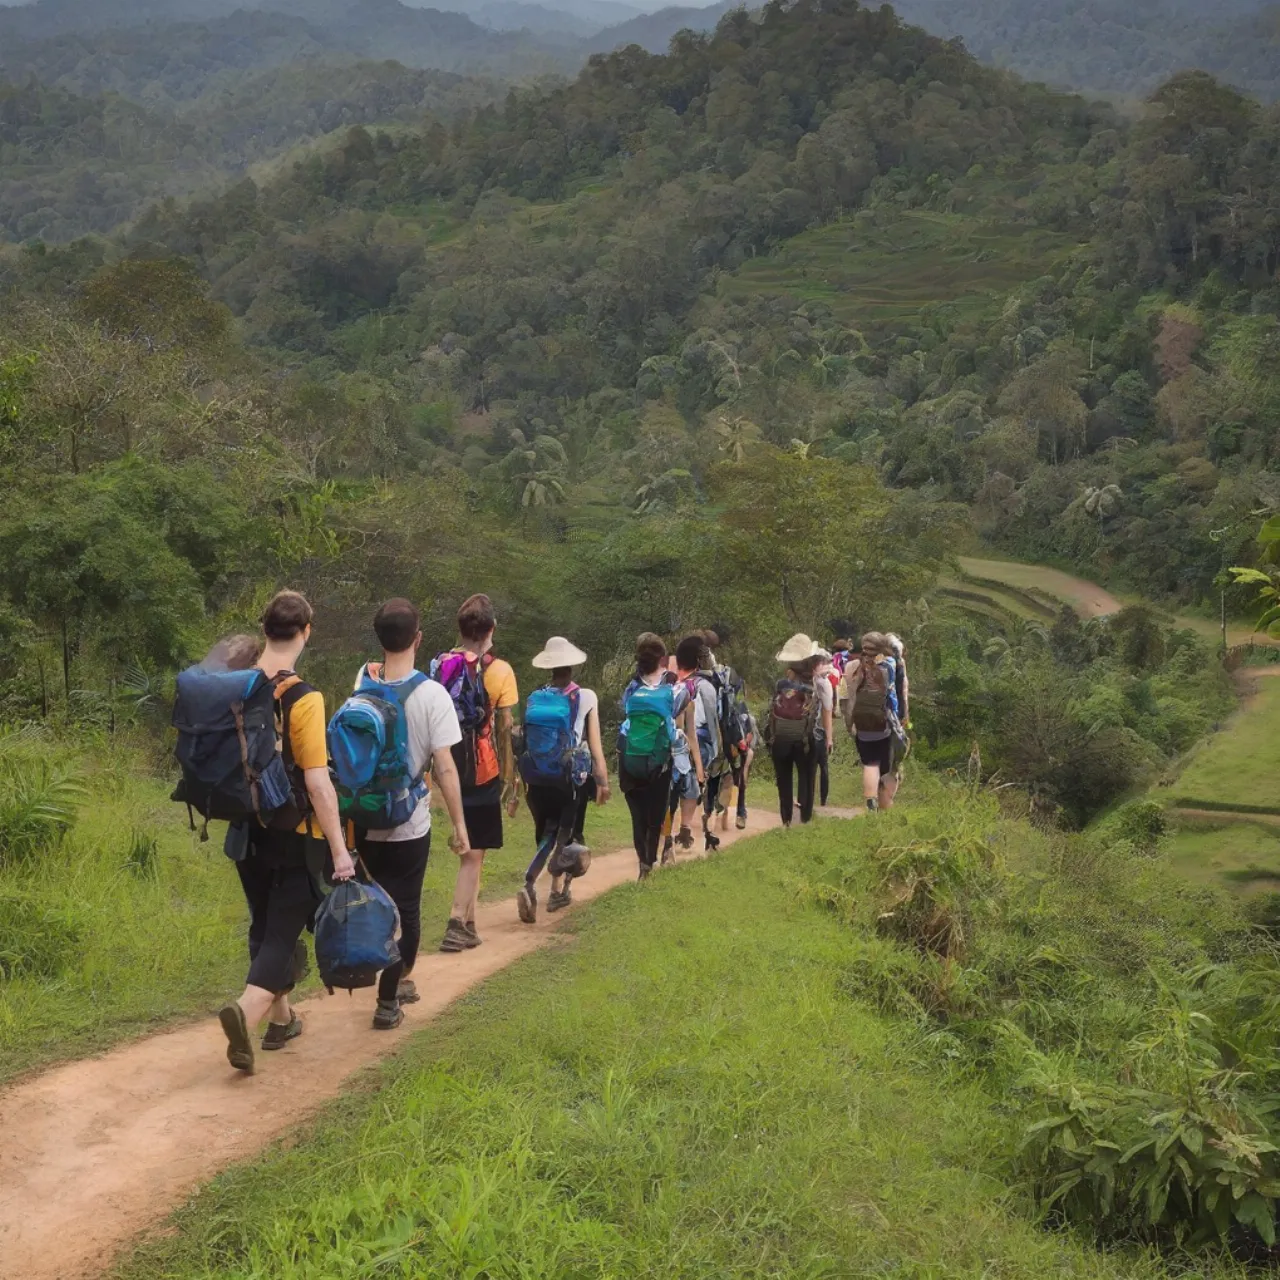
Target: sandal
(239, 1046)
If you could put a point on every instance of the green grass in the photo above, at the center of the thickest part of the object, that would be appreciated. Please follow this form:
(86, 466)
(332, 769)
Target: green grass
(155, 949)
(1238, 766)
(1243, 854)
(685, 1091)
(873, 269)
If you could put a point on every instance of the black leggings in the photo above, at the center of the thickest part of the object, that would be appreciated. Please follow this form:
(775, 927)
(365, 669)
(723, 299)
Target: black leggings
(805, 762)
(648, 804)
(282, 898)
(586, 794)
(555, 812)
(399, 866)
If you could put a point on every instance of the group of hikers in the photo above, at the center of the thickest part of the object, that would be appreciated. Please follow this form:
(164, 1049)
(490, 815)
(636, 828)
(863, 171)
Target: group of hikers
(309, 802)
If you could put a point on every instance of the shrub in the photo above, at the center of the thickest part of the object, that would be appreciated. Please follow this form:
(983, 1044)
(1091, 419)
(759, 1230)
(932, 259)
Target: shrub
(1143, 823)
(38, 802)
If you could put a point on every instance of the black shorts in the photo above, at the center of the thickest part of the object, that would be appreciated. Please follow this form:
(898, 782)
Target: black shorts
(878, 753)
(483, 810)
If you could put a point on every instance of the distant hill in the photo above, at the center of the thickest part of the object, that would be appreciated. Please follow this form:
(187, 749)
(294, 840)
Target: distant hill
(1117, 46)
(653, 31)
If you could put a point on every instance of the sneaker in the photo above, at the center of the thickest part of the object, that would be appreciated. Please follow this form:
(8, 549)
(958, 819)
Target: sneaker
(473, 938)
(406, 992)
(456, 937)
(278, 1036)
(711, 844)
(239, 1046)
(559, 899)
(527, 904)
(872, 805)
(685, 838)
(388, 1015)
(645, 868)
(741, 821)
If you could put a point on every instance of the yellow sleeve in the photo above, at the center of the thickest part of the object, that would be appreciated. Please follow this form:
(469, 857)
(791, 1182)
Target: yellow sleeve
(307, 732)
(500, 684)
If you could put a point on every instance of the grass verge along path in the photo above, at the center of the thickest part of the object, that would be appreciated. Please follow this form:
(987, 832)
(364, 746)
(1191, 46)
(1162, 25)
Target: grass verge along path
(95, 1151)
(687, 1090)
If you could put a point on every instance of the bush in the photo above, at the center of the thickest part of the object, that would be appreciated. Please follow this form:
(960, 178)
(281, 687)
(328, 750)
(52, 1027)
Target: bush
(1143, 823)
(38, 800)
(36, 940)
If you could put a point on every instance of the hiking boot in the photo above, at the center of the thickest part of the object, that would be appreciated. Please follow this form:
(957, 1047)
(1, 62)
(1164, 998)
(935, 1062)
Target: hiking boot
(278, 1035)
(406, 992)
(456, 938)
(527, 904)
(685, 838)
(559, 899)
(388, 1015)
(473, 938)
(645, 868)
(872, 805)
(711, 843)
(239, 1046)
(669, 853)
(741, 821)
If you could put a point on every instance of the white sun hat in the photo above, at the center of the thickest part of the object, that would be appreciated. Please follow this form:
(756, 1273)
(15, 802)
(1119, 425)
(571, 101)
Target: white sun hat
(559, 652)
(798, 649)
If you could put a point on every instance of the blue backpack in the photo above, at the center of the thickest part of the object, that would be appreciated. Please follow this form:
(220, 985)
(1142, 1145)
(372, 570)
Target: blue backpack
(369, 750)
(233, 747)
(646, 741)
(552, 755)
(357, 935)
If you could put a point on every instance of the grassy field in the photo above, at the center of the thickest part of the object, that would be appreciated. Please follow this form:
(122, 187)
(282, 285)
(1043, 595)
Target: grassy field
(1238, 767)
(687, 1090)
(873, 271)
(1243, 854)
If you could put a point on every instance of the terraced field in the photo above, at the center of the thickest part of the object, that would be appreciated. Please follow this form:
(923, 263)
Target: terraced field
(872, 273)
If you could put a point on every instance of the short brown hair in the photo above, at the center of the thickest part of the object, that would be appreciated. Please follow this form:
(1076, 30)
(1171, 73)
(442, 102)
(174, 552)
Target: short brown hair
(397, 625)
(286, 616)
(651, 652)
(476, 618)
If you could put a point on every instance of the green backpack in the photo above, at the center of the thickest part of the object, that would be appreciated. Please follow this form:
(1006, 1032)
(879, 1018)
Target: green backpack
(646, 741)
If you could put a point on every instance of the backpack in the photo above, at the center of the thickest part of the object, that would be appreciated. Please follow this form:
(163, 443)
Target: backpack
(234, 749)
(465, 685)
(357, 935)
(369, 750)
(647, 738)
(793, 715)
(872, 705)
(732, 711)
(552, 755)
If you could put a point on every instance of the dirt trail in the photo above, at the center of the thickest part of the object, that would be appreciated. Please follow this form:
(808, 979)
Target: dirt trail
(94, 1152)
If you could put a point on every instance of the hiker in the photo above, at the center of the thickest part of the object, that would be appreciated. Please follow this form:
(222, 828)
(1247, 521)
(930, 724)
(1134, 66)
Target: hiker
(688, 776)
(824, 684)
(277, 865)
(396, 855)
(901, 742)
(483, 689)
(693, 663)
(871, 715)
(647, 745)
(562, 752)
(794, 721)
(738, 728)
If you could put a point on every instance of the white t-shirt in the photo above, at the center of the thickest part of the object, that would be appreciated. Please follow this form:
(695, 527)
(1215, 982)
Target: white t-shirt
(587, 703)
(433, 725)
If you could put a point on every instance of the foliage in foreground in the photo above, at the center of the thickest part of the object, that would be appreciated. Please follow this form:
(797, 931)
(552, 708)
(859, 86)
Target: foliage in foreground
(1131, 1019)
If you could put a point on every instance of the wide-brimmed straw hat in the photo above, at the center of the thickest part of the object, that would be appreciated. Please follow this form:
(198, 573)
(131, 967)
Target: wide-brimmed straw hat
(559, 653)
(798, 649)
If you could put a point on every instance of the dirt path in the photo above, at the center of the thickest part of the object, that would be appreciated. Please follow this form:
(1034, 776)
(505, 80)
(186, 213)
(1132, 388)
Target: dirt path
(94, 1152)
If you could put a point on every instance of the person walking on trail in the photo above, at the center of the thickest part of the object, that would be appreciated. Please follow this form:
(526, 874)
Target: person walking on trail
(278, 868)
(647, 746)
(793, 723)
(688, 776)
(483, 689)
(396, 857)
(562, 753)
(901, 741)
(735, 715)
(825, 687)
(871, 714)
(693, 659)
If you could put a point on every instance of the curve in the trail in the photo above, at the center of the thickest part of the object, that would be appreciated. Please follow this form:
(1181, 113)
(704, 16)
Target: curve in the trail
(95, 1152)
(1086, 598)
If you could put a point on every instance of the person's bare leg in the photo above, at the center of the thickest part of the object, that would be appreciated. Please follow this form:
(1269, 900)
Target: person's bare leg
(467, 888)
(729, 799)
(256, 1003)
(870, 781)
(280, 1013)
(688, 812)
(888, 789)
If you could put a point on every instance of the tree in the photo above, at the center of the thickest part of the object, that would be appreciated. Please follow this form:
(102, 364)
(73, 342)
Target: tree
(536, 466)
